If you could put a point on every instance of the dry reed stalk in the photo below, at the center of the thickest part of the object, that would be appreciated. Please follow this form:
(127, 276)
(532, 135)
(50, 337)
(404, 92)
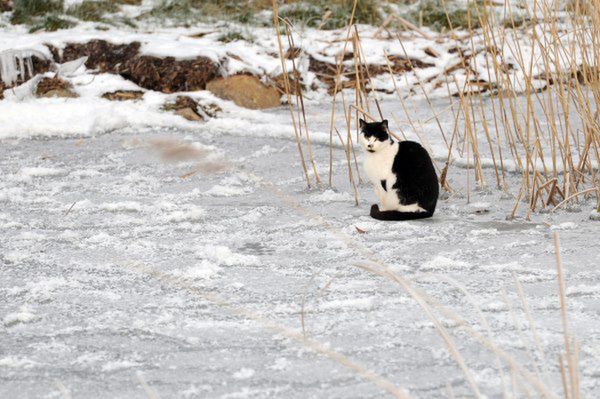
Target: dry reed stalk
(449, 391)
(570, 197)
(484, 322)
(519, 329)
(346, 147)
(151, 393)
(276, 328)
(64, 392)
(397, 90)
(349, 128)
(286, 83)
(563, 377)
(363, 62)
(412, 27)
(450, 345)
(349, 163)
(383, 26)
(420, 84)
(563, 313)
(325, 18)
(530, 321)
(300, 100)
(336, 88)
(419, 296)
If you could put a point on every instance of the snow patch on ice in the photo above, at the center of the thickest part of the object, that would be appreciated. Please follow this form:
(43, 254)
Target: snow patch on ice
(353, 303)
(227, 191)
(280, 363)
(119, 365)
(15, 362)
(191, 214)
(583, 290)
(494, 306)
(125, 206)
(30, 172)
(22, 316)
(484, 232)
(330, 196)
(204, 270)
(244, 374)
(564, 226)
(444, 263)
(222, 255)
(41, 290)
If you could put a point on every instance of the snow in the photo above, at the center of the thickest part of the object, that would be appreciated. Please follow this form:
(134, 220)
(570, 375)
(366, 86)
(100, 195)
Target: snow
(122, 266)
(24, 316)
(77, 117)
(329, 196)
(444, 263)
(243, 374)
(75, 278)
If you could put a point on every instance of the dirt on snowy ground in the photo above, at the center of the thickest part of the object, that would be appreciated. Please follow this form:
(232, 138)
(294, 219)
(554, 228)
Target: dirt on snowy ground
(89, 225)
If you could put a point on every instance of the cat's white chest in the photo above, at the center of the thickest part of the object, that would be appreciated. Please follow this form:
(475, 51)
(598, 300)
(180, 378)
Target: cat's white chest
(378, 166)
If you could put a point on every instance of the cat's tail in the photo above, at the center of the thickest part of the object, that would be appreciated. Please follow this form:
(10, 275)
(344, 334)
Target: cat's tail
(397, 215)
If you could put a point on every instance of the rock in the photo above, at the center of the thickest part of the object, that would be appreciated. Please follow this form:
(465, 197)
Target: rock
(245, 91)
(55, 87)
(123, 95)
(186, 107)
(191, 110)
(595, 215)
(189, 114)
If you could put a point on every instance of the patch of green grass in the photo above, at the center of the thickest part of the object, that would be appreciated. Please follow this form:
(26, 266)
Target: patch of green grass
(25, 11)
(52, 23)
(234, 35)
(308, 12)
(333, 14)
(443, 15)
(93, 10)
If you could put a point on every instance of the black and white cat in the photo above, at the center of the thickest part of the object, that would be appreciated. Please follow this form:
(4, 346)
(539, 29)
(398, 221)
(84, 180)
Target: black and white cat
(403, 174)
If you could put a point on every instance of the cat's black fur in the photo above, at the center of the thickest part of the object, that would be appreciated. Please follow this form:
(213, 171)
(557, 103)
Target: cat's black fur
(416, 179)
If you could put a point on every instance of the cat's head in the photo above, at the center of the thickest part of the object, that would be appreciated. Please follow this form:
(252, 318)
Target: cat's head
(374, 136)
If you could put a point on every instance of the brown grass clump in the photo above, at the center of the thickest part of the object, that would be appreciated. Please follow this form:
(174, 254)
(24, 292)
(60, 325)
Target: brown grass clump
(55, 87)
(123, 95)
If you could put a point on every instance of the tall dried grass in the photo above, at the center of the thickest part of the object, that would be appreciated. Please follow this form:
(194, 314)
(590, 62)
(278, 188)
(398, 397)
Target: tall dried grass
(549, 135)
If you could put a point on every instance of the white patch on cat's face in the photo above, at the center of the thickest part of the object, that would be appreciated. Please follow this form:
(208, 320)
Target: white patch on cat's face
(372, 144)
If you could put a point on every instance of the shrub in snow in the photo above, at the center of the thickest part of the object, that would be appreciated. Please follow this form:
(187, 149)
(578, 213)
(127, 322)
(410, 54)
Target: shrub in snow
(24, 10)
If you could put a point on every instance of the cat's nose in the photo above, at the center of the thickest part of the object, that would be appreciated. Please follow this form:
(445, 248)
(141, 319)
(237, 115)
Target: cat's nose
(369, 145)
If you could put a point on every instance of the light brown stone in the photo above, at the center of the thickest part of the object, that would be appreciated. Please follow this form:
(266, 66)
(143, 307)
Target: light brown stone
(245, 91)
(189, 114)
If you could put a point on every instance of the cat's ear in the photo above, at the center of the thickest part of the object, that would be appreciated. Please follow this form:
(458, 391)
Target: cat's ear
(385, 124)
(362, 123)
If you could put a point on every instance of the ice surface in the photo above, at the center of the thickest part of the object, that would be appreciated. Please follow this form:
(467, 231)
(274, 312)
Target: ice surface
(79, 216)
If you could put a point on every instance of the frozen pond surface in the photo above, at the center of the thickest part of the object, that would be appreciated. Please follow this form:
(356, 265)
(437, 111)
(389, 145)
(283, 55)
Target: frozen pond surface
(77, 217)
